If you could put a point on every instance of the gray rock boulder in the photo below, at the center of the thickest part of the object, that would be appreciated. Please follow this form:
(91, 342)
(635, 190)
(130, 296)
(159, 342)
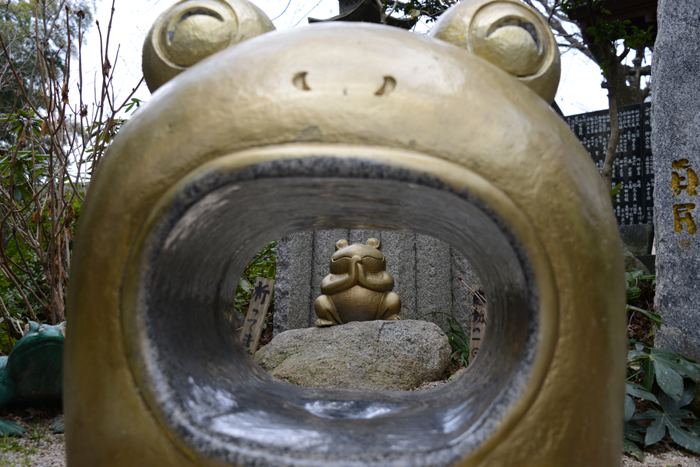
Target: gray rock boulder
(632, 261)
(369, 355)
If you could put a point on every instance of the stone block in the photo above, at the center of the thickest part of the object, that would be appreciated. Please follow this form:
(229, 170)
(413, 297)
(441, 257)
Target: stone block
(399, 249)
(462, 297)
(293, 281)
(649, 261)
(639, 238)
(676, 149)
(433, 279)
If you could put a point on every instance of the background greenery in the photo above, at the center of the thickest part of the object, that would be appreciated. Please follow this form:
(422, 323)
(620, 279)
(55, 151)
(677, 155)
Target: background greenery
(661, 384)
(51, 141)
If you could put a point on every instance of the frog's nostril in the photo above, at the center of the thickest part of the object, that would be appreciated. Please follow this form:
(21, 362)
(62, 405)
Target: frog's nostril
(387, 87)
(299, 81)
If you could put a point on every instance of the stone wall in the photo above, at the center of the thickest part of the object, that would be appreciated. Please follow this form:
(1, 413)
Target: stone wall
(425, 272)
(676, 149)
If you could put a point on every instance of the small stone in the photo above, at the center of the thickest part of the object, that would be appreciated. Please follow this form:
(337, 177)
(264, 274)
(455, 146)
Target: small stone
(631, 261)
(368, 355)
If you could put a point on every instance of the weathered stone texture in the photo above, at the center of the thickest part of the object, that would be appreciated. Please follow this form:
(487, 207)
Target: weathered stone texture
(294, 285)
(463, 297)
(399, 248)
(433, 279)
(424, 269)
(676, 136)
(369, 355)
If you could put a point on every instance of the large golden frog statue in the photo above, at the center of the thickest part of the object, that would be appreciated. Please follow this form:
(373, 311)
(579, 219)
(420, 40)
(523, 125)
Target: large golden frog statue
(252, 134)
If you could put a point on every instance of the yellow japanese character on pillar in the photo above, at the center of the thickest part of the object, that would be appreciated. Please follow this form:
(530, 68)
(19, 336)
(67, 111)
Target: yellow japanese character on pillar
(682, 215)
(676, 179)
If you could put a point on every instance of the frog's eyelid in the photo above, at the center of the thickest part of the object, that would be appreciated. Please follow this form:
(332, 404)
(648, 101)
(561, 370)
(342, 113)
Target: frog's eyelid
(199, 11)
(513, 21)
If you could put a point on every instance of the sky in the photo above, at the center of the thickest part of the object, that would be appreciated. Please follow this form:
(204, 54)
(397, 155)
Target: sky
(579, 88)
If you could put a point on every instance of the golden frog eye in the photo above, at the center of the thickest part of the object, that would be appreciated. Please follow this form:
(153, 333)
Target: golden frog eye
(193, 30)
(196, 29)
(509, 34)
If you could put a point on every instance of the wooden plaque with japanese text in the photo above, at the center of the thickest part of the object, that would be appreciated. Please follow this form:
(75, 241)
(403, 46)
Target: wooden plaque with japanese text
(479, 318)
(259, 302)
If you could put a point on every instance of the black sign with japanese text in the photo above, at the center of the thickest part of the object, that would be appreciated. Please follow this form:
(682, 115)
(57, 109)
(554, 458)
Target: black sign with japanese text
(633, 166)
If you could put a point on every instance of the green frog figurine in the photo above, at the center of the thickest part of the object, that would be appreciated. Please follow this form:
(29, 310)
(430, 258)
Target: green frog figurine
(358, 287)
(32, 374)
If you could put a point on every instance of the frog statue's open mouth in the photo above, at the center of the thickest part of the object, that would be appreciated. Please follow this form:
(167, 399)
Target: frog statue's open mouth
(345, 126)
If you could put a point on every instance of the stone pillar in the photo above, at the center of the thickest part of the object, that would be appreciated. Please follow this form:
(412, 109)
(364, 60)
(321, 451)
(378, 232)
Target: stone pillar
(676, 149)
(293, 285)
(424, 269)
(433, 279)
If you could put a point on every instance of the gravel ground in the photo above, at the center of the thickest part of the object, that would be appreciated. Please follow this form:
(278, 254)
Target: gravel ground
(672, 458)
(41, 448)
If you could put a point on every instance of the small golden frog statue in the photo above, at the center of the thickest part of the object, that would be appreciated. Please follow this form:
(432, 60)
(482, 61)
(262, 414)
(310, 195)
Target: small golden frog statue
(358, 287)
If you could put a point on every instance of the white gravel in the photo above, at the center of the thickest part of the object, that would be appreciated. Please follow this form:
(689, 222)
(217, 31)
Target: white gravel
(671, 458)
(39, 447)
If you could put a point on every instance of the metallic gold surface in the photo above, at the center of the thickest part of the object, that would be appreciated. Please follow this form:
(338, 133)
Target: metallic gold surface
(509, 34)
(192, 30)
(358, 287)
(492, 360)
(452, 147)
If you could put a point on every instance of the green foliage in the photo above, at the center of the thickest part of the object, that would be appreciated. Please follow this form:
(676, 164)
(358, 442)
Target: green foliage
(50, 143)
(13, 302)
(615, 191)
(459, 341)
(634, 292)
(665, 380)
(10, 444)
(633, 278)
(102, 133)
(653, 317)
(430, 9)
(264, 264)
(458, 337)
(609, 33)
(133, 105)
(36, 30)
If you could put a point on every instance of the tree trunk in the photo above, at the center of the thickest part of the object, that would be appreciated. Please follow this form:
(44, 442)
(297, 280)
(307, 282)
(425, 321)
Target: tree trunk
(610, 153)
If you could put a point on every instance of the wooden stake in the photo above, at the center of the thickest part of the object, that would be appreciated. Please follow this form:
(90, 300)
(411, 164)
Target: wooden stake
(259, 302)
(478, 323)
